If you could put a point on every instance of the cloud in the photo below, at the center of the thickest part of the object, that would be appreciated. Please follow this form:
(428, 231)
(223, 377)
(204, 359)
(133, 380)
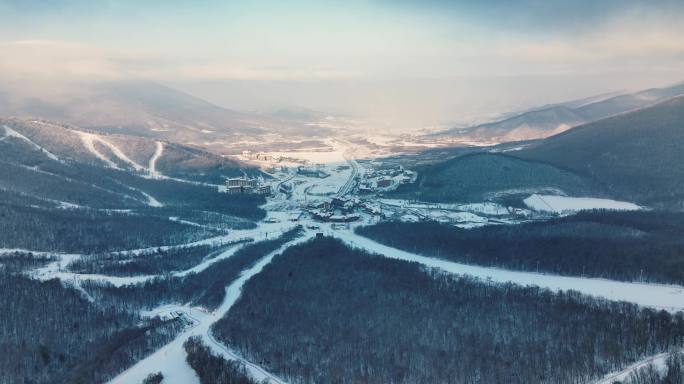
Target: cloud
(44, 59)
(52, 59)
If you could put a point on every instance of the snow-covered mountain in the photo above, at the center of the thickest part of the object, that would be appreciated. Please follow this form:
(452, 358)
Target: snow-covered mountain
(62, 164)
(148, 109)
(553, 119)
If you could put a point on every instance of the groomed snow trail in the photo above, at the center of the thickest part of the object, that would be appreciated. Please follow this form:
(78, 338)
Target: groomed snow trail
(9, 132)
(170, 360)
(151, 201)
(658, 296)
(56, 270)
(152, 166)
(89, 140)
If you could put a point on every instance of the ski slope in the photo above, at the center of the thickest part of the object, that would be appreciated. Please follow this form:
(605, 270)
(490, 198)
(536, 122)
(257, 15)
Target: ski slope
(9, 132)
(658, 296)
(152, 166)
(89, 140)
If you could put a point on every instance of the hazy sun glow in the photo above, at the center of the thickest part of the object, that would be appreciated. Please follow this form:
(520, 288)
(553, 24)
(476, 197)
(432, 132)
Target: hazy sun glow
(407, 63)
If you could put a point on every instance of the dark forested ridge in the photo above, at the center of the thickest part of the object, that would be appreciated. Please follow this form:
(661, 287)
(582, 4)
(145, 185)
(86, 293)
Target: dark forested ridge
(212, 369)
(637, 156)
(50, 334)
(640, 245)
(486, 176)
(23, 261)
(376, 320)
(88, 231)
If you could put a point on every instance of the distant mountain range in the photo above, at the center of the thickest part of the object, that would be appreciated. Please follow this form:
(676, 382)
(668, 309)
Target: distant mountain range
(118, 151)
(151, 110)
(67, 167)
(553, 119)
(635, 156)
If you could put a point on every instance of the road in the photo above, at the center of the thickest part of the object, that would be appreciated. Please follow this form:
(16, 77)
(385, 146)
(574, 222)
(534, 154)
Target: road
(348, 186)
(657, 296)
(658, 360)
(170, 359)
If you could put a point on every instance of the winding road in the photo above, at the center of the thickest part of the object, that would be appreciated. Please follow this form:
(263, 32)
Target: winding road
(170, 359)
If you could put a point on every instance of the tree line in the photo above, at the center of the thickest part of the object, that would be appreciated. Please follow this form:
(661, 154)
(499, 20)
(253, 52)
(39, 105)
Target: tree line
(643, 246)
(212, 369)
(205, 288)
(322, 312)
(51, 334)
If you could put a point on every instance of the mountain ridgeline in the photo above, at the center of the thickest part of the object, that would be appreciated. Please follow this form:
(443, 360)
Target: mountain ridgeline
(62, 188)
(553, 119)
(147, 109)
(635, 156)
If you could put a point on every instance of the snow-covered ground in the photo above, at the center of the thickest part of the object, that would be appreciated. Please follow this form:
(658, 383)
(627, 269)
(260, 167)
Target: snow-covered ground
(659, 296)
(565, 204)
(460, 215)
(659, 362)
(170, 360)
(151, 201)
(58, 270)
(89, 140)
(281, 209)
(9, 132)
(152, 166)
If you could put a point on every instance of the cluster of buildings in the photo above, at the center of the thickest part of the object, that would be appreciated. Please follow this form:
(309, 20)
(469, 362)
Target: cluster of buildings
(312, 171)
(385, 179)
(246, 186)
(342, 210)
(265, 157)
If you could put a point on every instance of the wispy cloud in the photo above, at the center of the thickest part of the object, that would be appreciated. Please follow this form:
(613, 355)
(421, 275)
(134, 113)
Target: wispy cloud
(438, 59)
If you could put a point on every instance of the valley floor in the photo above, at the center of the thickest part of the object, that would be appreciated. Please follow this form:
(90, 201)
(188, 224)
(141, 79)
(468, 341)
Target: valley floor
(171, 359)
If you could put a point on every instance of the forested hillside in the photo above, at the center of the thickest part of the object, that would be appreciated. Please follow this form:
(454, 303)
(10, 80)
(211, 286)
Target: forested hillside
(552, 119)
(62, 338)
(636, 156)
(632, 246)
(89, 231)
(205, 288)
(322, 312)
(485, 176)
(134, 153)
(212, 369)
(57, 194)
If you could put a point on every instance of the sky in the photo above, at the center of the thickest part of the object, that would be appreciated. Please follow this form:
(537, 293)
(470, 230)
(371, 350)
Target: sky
(403, 63)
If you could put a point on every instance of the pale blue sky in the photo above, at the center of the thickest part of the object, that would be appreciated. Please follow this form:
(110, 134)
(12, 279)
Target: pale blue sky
(446, 55)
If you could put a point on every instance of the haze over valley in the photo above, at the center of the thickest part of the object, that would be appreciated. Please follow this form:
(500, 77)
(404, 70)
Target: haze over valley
(368, 192)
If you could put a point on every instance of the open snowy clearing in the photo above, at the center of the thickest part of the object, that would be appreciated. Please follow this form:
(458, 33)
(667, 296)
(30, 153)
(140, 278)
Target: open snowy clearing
(564, 204)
